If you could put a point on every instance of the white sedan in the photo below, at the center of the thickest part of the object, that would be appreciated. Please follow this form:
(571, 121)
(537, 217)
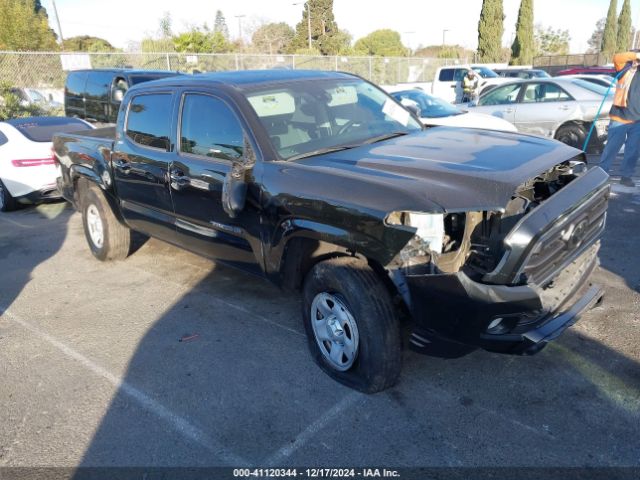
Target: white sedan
(434, 111)
(28, 170)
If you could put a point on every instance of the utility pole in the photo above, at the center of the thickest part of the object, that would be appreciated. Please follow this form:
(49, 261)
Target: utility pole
(306, 4)
(55, 10)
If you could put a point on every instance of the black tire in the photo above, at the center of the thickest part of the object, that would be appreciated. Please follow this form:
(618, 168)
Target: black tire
(116, 238)
(573, 135)
(379, 353)
(7, 202)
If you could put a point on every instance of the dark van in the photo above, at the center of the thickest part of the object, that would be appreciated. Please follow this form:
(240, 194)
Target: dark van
(95, 95)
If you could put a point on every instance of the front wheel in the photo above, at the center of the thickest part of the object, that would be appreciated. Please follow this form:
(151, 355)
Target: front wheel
(108, 239)
(7, 202)
(352, 326)
(573, 135)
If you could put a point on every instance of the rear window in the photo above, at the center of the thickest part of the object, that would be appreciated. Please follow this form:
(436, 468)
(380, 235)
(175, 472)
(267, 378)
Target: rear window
(446, 75)
(149, 120)
(42, 129)
(592, 87)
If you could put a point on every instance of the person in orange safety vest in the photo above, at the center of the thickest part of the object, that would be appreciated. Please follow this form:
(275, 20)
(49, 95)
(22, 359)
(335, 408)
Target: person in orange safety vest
(624, 127)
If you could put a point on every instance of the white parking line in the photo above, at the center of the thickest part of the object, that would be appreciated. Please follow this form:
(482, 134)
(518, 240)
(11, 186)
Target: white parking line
(175, 421)
(13, 222)
(308, 433)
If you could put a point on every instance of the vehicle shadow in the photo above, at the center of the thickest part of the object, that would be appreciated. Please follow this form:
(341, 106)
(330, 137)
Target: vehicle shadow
(23, 246)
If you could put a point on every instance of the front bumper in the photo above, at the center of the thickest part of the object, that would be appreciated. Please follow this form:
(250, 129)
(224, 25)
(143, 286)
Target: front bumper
(454, 313)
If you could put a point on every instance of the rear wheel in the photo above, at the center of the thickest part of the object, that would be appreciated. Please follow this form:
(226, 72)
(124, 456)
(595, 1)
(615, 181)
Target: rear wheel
(573, 135)
(7, 202)
(352, 326)
(108, 239)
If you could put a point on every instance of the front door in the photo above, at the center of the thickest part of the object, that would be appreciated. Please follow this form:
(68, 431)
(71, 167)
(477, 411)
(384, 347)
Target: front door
(141, 165)
(544, 106)
(210, 139)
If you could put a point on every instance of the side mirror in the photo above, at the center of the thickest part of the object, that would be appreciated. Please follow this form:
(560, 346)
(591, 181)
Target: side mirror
(118, 95)
(235, 186)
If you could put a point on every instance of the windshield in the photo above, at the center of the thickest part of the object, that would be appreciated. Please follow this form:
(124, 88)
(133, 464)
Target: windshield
(430, 107)
(485, 72)
(307, 118)
(592, 87)
(36, 96)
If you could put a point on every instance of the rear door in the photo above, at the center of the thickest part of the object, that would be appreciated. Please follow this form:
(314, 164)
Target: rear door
(211, 136)
(98, 96)
(74, 93)
(140, 161)
(542, 107)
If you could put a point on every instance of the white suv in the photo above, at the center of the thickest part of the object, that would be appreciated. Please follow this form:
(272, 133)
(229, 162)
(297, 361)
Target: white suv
(447, 83)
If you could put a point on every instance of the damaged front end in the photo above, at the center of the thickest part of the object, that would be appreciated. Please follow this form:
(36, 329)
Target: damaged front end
(510, 280)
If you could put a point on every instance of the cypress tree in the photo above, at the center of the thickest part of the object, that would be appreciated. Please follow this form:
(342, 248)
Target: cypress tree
(609, 37)
(490, 30)
(522, 50)
(624, 28)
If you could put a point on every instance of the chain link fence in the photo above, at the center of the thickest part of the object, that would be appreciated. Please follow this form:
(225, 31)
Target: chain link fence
(45, 70)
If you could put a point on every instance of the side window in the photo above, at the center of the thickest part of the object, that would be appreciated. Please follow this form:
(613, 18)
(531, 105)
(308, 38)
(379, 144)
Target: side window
(76, 83)
(149, 120)
(210, 128)
(3, 139)
(446, 75)
(99, 85)
(501, 96)
(544, 92)
(460, 74)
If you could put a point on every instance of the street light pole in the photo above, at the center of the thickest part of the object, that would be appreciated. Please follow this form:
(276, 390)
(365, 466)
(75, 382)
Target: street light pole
(240, 17)
(444, 36)
(55, 11)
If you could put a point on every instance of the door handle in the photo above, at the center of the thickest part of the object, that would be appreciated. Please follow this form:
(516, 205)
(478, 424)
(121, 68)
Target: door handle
(508, 110)
(564, 107)
(453, 86)
(178, 180)
(121, 164)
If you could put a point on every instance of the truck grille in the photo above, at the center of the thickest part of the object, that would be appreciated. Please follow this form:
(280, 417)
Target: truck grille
(567, 239)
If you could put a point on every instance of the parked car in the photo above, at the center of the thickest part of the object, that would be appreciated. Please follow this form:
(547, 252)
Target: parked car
(434, 111)
(525, 73)
(95, 95)
(27, 168)
(587, 71)
(447, 83)
(602, 80)
(558, 108)
(32, 96)
(321, 182)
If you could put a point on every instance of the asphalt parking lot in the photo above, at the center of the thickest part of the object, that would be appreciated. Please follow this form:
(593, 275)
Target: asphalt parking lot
(94, 373)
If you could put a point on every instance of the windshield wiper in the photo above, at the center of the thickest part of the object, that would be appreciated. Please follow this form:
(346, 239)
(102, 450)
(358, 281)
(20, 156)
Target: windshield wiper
(321, 151)
(386, 136)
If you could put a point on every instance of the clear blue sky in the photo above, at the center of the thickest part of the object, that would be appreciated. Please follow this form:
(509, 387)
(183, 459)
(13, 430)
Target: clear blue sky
(122, 21)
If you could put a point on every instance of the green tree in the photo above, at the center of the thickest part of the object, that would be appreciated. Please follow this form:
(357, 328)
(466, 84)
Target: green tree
(523, 47)
(490, 31)
(325, 35)
(625, 30)
(220, 25)
(595, 42)
(21, 28)
(382, 43)
(165, 25)
(85, 43)
(272, 38)
(551, 42)
(201, 40)
(610, 35)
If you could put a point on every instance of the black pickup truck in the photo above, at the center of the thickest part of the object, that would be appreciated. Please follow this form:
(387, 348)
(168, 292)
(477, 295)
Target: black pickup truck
(322, 183)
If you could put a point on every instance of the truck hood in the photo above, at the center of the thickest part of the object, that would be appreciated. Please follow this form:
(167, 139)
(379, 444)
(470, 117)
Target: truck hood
(457, 169)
